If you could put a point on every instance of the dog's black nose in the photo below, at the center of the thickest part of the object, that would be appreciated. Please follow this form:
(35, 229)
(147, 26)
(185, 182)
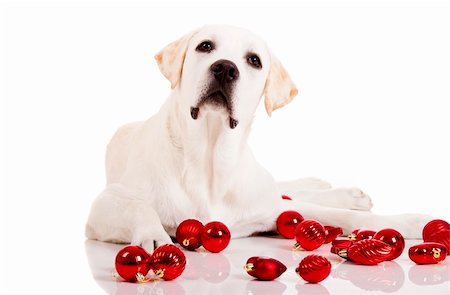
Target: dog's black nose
(224, 71)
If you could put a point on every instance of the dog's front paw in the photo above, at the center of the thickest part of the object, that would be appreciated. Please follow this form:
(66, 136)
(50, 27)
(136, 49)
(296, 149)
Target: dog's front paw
(352, 198)
(152, 241)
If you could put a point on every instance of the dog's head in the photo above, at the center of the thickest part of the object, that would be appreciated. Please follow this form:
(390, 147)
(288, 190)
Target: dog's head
(225, 70)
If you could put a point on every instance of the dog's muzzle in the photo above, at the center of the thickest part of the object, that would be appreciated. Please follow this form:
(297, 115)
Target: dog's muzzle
(224, 75)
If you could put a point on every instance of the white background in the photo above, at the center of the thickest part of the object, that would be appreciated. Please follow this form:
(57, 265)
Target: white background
(372, 111)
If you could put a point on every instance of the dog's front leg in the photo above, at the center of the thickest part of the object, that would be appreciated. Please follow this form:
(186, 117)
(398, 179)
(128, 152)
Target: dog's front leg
(119, 216)
(409, 225)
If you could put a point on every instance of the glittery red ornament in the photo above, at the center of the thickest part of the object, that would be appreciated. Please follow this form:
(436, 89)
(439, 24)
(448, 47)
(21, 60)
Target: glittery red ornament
(433, 227)
(188, 234)
(132, 264)
(215, 236)
(309, 235)
(263, 268)
(314, 268)
(427, 253)
(168, 262)
(394, 239)
(442, 237)
(287, 222)
(331, 233)
(286, 197)
(368, 252)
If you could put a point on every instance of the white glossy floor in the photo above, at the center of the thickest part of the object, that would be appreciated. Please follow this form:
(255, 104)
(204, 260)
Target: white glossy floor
(223, 273)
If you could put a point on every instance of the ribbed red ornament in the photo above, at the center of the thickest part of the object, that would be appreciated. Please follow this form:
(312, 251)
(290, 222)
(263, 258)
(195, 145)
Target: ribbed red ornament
(132, 263)
(368, 252)
(331, 233)
(215, 236)
(188, 234)
(442, 237)
(433, 227)
(264, 268)
(287, 222)
(361, 234)
(427, 253)
(309, 235)
(314, 268)
(168, 262)
(394, 239)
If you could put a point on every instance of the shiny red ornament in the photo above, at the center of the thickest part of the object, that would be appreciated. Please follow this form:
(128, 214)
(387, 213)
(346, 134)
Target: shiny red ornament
(168, 262)
(361, 234)
(394, 239)
(263, 268)
(314, 268)
(286, 197)
(433, 227)
(368, 252)
(331, 233)
(287, 222)
(338, 245)
(215, 236)
(132, 263)
(309, 235)
(442, 237)
(427, 253)
(188, 234)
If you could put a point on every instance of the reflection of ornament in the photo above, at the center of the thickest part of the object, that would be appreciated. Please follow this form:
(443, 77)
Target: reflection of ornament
(387, 277)
(429, 275)
(168, 262)
(309, 235)
(215, 267)
(132, 264)
(286, 197)
(287, 222)
(331, 233)
(314, 268)
(442, 237)
(368, 252)
(433, 227)
(215, 236)
(188, 234)
(427, 253)
(394, 239)
(265, 269)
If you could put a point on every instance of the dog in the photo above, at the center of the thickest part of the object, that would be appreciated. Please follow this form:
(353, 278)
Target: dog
(192, 160)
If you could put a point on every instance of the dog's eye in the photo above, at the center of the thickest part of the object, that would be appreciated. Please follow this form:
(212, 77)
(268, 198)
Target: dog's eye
(205, 46)
(254, 61)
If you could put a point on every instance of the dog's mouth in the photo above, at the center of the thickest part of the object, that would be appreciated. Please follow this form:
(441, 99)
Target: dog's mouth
(217, 98)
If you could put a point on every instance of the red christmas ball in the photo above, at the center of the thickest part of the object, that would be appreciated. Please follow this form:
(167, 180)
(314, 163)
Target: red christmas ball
(265, 269)
(132, 263)
(168, 262)
(188, 234)
(361, 234)
(433, 227)
(286, 197)
(427, 253)
(215, 236)
(368, 252)
(314, 268)
(287, 222)
(394, 239)
(442, 237)
(331, 233)
(309, 235)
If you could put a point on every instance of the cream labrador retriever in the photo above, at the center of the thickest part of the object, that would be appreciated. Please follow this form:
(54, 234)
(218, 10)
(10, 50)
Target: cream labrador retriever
(192, 160)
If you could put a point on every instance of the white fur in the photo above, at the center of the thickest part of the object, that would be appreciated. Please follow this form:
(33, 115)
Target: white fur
(171, 167)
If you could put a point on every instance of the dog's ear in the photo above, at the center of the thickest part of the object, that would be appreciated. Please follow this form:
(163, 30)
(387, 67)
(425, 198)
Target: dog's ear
(171, 58)
(279, 89)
